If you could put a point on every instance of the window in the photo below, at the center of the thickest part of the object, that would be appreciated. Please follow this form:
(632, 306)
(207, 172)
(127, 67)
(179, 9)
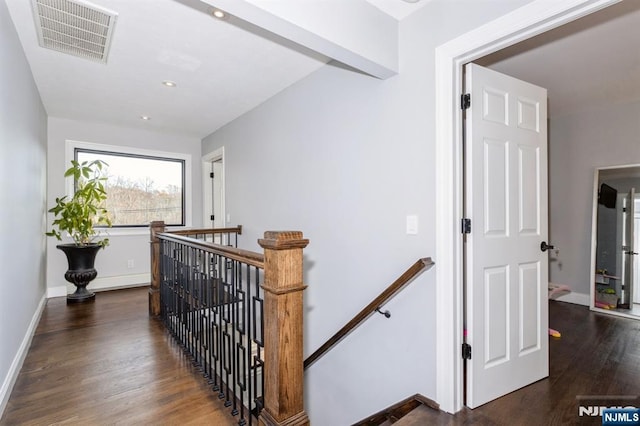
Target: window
(141, 188)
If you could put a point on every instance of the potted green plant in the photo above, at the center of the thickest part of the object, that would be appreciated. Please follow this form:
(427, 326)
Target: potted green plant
(78, 217)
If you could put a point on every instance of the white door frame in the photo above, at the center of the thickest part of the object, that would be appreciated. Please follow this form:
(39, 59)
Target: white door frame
(207, 185)
(531, 19)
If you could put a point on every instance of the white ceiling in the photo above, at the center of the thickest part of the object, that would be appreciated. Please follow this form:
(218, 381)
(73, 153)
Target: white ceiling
(591, 62)
(223, 69)
(398, 9)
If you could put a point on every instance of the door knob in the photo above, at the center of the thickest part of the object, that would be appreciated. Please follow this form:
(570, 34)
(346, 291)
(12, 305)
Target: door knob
(544, 246)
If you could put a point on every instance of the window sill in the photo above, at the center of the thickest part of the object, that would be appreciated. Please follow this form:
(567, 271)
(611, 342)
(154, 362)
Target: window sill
(125, 232)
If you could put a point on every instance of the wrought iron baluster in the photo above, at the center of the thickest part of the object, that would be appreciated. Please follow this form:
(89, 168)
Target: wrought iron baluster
(218, 325)
(212, 306)
(233, 308)
(249, 353)
(258, 363)
(240, 344)
(226, 337)
(206, 328)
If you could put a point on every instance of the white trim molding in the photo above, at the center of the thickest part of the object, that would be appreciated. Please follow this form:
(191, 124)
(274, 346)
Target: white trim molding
(594, 241)
(116, 282)
(207, 189)
(531, 19)
(18, 360)
(575, 298)
(57, 291)
(104, 284)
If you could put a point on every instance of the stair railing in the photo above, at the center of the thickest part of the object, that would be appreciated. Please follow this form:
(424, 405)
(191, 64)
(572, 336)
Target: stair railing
(414, 270)
(222, 236)
(238, 314)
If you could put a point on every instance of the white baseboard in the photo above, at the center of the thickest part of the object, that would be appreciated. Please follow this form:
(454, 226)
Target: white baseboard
(575, 298)
(116, 282)
(18, 360)
(103, 284)
(58, 291)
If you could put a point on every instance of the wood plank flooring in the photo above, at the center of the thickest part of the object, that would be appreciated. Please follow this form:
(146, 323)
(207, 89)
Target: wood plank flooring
(108, 362)
(597, 355)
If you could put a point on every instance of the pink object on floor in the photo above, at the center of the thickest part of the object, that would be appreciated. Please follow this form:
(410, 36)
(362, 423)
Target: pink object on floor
(557, 288)
(553, 290)
(554, 333)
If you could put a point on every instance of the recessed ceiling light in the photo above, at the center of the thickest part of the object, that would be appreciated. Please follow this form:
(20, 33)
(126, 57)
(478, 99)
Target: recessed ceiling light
(145, 117)
(219, 14)
(169, 83)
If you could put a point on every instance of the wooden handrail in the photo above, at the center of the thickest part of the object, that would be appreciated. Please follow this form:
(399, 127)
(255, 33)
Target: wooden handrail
(158, 228)
(207, 231)
(244, 256)
(413, 271)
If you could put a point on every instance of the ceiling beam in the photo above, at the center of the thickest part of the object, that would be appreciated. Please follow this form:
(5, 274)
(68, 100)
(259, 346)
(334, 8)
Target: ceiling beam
(352, 32)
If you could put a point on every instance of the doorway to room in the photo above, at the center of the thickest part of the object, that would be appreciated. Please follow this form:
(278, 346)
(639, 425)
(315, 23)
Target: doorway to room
(532, 19)
(213, 188)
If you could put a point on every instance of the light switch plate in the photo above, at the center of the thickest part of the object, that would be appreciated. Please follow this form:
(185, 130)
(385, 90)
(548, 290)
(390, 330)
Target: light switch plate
(412, 224)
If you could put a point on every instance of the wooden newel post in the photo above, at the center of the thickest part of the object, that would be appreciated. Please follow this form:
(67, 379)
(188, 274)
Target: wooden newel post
(283, 351)
(156, 227)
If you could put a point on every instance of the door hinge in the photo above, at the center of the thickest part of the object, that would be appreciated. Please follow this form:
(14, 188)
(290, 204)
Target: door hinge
(211, 175)
(466, 226)
(466, 351)
(465, 101)
(213, 217)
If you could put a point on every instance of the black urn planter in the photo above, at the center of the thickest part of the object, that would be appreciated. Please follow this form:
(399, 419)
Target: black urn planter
(81, 271)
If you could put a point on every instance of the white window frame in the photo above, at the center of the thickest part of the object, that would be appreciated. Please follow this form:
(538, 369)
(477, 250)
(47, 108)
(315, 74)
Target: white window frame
(70, 147)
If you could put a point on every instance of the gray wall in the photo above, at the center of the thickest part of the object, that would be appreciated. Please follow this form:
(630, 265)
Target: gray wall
(111, 263)
(23, 152)
(578, 145)
(345, 157)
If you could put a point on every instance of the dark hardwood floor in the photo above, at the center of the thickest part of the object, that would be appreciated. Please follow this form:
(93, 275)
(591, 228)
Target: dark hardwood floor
(108, 363)
(105, 363)
(598, 356)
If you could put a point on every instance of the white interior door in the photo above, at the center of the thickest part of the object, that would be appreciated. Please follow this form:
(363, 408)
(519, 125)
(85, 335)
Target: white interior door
(506, 200)
(217, 195)
(636, 258)
(629, 248)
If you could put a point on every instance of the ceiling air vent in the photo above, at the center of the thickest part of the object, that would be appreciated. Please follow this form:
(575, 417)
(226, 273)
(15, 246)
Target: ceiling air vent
(74, 27)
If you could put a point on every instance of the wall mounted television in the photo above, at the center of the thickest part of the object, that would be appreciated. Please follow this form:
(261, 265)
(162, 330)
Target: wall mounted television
(607, 196)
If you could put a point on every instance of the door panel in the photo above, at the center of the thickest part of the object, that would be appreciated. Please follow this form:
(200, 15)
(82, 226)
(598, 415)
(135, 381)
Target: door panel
(496, 315)
(529, 306)
(629, 248)
(635, 284)
(529, 191)
(496, 205)
(506, 272)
